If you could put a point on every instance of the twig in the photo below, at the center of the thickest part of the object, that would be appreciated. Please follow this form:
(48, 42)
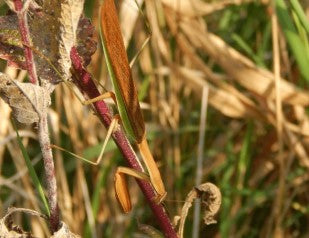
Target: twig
(25, 37)
(49, 170)
(199, 162)
(86, 85)
(278, 202)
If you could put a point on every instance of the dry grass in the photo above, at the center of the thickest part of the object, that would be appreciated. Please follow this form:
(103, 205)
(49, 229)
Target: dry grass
(256, 139)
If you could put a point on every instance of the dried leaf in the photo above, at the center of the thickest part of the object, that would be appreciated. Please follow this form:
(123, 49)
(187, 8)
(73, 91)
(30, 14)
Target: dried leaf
(28, 101)
(46, 47)
(9, 230)
(199, 8)
(86, 45)
(50, 34)
(53, 28)
(70, 13)
(64, 232)
(210, 196)
(129, 14)
(241, 68)
(225, 98)
(188, 7)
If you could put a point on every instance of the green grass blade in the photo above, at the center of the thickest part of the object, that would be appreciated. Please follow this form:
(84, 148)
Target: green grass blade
(143, 90)
(300, 14)
(301, 32)
(244, 158)
(94, 151)
(32, 172)
(96, 197)
(244, 46)
(226, 187)
(293, 39)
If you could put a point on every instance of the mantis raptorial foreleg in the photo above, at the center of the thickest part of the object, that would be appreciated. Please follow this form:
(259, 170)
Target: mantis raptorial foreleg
(121, 187)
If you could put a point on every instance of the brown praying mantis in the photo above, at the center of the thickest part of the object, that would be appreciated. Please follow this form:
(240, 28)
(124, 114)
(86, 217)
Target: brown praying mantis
(126, 100)
(126, 94)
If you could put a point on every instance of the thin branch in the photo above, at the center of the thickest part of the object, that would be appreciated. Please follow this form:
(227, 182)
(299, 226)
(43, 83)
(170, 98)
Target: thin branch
(199, 162)
(25, 37)
(279, 200)
(49, 170)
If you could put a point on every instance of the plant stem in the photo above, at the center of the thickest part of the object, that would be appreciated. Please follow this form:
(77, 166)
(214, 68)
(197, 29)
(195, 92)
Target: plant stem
(25, 37)
(199, 162)
(86, 85)
(49, 169)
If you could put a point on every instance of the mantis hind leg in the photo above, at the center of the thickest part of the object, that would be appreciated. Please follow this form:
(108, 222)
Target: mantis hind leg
(110, 130)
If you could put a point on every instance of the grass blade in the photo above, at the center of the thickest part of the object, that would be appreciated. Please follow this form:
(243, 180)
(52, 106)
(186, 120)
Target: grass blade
(32, 172)
(300, 14)
(293, 39)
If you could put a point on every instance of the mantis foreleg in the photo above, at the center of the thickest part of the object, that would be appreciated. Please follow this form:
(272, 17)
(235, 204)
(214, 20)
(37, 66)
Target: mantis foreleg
(121, 187)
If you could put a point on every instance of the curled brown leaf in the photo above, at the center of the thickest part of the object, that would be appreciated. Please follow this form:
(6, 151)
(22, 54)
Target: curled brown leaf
(55, 26)
(210, 196)
(7, 227)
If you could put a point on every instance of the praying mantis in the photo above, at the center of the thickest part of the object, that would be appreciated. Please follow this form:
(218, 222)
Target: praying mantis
(126, 100)
(126, 94)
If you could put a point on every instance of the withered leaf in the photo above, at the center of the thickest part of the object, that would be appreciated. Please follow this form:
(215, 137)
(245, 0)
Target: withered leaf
(86, 44)
(210, 196)
(53, 33)
(54, 26)
(47, 34)
(7, 227)
(11, 48)
(70, 12)
(27, 101)
(9, 230)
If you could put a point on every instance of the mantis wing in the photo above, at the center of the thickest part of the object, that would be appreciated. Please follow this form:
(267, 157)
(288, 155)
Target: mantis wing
(120, 72)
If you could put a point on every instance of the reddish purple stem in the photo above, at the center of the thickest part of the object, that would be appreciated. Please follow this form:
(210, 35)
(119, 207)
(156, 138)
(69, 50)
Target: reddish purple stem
(50, 177)
(88, 88)
(25, 37)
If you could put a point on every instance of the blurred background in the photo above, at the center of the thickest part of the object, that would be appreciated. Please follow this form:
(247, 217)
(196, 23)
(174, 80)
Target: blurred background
(223, 88)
